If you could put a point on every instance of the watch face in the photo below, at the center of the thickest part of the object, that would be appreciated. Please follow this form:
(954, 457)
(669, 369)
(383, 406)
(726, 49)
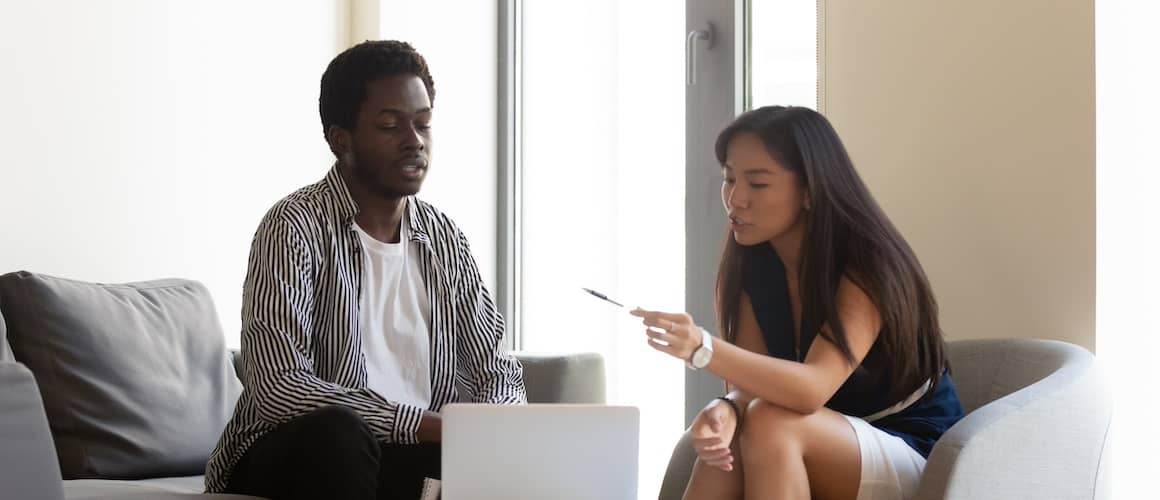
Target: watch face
(701, 357)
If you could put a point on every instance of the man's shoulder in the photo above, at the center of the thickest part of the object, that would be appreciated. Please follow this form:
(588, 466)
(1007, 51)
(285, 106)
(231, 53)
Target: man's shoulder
(307, 205)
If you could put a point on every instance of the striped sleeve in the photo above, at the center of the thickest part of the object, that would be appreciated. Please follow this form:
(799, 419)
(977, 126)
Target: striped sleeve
(277, 311)
(492, 374)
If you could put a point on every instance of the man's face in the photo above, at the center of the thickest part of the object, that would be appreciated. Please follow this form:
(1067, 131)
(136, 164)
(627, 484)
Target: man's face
(390, 147)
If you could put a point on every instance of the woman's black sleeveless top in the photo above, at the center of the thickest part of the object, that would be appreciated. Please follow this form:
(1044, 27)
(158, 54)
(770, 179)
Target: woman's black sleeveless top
(868, 388)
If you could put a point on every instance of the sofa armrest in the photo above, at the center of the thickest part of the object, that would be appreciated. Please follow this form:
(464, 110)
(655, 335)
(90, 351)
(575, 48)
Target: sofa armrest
(236, 357)
(28, 464)
(5, 349)
(548, 378)
(563, 378)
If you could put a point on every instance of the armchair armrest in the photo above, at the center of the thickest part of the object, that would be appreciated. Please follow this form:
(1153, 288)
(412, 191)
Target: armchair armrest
(1044, 441)
(28, 463)
(680, 468)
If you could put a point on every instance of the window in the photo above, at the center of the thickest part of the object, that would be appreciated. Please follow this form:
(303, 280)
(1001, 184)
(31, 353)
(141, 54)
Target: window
(603, 197)
(462, 179)
(1127, 328)
(781, 56)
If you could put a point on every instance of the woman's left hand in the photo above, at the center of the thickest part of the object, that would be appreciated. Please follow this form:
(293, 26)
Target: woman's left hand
(674, 334)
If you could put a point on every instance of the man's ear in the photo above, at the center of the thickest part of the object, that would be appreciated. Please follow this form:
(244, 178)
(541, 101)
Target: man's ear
(339, 140)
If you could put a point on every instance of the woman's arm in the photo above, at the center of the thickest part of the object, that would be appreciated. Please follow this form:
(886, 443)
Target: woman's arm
(802, 387)
(749, 338)
(805, 386)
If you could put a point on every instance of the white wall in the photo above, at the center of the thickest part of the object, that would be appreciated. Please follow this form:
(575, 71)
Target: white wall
(974, 125)
(145, 139)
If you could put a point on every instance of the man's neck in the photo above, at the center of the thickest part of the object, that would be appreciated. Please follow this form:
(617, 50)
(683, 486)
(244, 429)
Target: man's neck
(381, 218)
(378, 216)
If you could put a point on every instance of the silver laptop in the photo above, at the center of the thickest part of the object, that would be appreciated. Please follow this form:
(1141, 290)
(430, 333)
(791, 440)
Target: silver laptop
(540, 451)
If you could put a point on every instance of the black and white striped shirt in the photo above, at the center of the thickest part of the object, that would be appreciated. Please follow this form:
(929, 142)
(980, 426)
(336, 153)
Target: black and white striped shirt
(301, 343)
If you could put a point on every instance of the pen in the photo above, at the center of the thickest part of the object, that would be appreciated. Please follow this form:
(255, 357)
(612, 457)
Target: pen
(601, 296)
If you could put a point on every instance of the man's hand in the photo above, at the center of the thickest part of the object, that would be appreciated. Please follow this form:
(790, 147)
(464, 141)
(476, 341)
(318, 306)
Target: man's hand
(712, 433)
(430, 428)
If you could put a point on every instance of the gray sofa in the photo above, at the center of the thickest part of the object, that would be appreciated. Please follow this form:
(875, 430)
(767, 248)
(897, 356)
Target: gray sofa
(119, 391)
(1036, 429)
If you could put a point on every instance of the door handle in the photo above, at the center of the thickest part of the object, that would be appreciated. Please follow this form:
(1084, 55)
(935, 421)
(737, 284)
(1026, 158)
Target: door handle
(705, 35)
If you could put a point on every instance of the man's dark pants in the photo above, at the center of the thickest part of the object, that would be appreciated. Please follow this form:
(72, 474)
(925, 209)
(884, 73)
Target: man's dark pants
(331, 453)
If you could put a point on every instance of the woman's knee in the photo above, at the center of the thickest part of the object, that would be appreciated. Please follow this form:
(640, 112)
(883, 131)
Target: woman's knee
(768, 427)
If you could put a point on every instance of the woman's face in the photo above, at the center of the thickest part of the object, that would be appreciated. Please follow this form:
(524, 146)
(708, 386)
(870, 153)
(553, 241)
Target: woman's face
(763, 199)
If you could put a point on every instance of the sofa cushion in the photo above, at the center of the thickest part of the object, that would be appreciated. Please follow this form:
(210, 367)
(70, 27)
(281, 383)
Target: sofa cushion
(135, 377)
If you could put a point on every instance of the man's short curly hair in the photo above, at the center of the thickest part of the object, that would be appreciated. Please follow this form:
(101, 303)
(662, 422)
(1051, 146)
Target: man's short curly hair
(344, 84)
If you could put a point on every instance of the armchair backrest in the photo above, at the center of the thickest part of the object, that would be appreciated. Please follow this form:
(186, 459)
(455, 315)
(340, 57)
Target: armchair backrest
(986, 370)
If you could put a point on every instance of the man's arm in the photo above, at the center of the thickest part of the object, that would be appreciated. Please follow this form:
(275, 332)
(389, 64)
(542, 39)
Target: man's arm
(277, 326)
(492, 374)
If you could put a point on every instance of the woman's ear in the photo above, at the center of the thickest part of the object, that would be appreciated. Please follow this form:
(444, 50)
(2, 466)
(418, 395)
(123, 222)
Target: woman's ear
(806, 202)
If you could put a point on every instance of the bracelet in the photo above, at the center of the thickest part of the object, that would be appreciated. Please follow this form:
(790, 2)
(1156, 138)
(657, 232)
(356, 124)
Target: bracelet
(736, 409)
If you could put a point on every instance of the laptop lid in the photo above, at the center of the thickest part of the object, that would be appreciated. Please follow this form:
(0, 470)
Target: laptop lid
(540, 451)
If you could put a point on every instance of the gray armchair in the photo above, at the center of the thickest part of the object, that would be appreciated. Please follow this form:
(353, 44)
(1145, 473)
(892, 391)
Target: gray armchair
(1036, 428)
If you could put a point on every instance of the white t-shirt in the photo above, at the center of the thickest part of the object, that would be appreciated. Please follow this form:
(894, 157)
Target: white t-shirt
(395, 313)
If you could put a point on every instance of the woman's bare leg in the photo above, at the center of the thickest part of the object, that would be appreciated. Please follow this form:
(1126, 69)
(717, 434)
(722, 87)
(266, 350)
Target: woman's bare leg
(708, 482)
(789, 455)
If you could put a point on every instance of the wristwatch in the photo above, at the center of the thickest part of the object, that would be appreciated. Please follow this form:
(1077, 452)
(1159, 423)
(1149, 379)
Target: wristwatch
(703, 353)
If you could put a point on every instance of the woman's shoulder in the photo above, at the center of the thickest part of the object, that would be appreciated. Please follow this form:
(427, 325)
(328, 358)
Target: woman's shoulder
(852, 287)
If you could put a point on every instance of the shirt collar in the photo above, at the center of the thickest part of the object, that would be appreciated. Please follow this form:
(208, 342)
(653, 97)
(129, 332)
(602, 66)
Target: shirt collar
(347, 208)
(415, 222)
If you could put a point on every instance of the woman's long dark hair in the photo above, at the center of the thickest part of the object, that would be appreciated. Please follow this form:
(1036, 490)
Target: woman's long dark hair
(846, 234)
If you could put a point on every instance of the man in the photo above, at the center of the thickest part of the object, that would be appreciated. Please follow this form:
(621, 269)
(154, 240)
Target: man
(360, 306)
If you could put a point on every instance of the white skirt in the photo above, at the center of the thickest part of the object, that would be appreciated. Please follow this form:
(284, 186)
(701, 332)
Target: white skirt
(891, 469)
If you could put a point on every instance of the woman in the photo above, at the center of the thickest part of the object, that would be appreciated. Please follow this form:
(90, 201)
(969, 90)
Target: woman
(830, 339)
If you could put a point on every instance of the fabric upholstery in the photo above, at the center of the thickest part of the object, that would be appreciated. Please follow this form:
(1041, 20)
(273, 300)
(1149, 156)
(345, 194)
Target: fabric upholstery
(1042, 418)
(5, 349)
(1037, 423)
(175, 488)
(680, 469)
(575, 378)
(135, 377)
(27, 460)
(563, 378)
(70, 327)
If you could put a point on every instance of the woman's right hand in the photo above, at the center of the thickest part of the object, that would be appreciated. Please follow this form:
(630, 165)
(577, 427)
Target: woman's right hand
(712, 433)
